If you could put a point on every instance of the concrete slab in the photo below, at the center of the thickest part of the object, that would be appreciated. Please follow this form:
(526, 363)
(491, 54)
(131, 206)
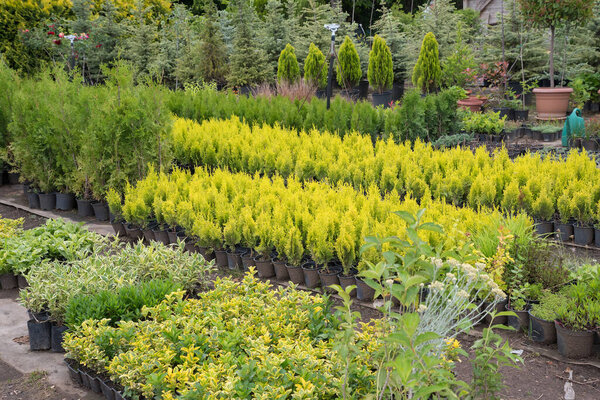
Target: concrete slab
(13, 324)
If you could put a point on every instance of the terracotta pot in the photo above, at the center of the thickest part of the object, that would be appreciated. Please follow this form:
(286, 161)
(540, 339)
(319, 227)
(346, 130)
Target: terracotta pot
(552, 103)
(472, 103)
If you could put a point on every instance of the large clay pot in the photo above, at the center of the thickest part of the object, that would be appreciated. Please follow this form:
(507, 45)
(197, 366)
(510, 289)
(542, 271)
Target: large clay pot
(472, 103)
(552, 103)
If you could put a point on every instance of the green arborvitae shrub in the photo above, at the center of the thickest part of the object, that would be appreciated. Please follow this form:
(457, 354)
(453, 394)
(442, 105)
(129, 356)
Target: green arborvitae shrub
(315, 67)
(381, 67)
(213, 52)
(287, 67)
(348, 71)
(427, 72)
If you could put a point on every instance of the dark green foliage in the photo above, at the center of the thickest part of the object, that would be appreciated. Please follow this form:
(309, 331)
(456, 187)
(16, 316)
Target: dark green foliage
(348, 71)
(315, 67)
(274, 33)
(212, 52)
(124, 305)
(440, 113)
(287, 67)
(411, 115)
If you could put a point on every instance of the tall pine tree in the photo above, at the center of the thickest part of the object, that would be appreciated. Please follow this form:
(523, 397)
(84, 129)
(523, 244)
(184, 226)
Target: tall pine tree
(274, 33)
(213, 53)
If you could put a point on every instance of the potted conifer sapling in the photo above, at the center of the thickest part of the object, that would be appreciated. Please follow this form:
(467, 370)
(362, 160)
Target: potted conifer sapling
(315, 70)
(348, 71)
(381, 72)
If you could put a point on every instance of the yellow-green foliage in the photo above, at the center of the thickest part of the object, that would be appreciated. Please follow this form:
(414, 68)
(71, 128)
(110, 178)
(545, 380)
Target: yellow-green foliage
(9, 227)
(322, 220)
(456, 175)
(238, 341)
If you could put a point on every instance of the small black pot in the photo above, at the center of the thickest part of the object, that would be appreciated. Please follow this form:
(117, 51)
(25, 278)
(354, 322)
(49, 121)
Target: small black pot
(65, 201)
(119, 228)
(234, 260)
(521, 115)
(107, 391)
(221, 257)
(133, 232)
(311, 275)
(85, 379)
(574, 344)
(296, 274)
(94, 383)
(33, 199)
(205, 252)
(248, 261)
(346, 281)
(8, 281)
(100, 210)
(506, 111)
(520, 322)
(22, 281)
(41, 316)
(397, 90)
(364, 292)
(13, 178)
(541, 331)
(148, 234)
(190, 247)
(589, 144)
(329, 277)
(160, 235)
(172, 235)
(382, 99)
(544, 228)
(47, 201)
(363, 89)
(565, 231)
(73, 371)
(500, 306)
(596, 237)
(583, 235)
(281, 271)
(549, 137)
(39, 335)
(56, 334)
(264, 268)
(84, 208)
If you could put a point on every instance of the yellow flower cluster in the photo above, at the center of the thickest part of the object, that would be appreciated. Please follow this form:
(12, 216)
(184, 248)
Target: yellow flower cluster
(238, 341)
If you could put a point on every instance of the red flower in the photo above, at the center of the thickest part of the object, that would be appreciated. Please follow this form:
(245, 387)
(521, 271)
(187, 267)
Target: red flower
(99, 45)
(51, 33)
(57, 42)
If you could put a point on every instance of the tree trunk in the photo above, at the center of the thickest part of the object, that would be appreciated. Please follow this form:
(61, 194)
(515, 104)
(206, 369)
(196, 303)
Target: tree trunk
(551, 64)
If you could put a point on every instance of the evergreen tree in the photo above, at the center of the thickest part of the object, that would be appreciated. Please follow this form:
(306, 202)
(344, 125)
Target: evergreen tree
(141, 44)
(315, 67)
(248, 64)
(348, 71)
(427, 72)
(380, 73)
(274, 32)
(213, 53)
(287, 66)
(389, 27)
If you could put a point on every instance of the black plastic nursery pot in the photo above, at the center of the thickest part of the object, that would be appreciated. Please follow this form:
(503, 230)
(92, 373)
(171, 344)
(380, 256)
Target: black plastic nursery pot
(56, 335)
(544, 228)
(382, 99)
(589, 144)
(574, 344)
(247, 261)
(47, 201)
(364, 292)
(73, 369)
(41, 316)
(40, 335)
(8, 281)
(500, 306)
(363, 89)
(234, 260)
(208, 254)
(221, 257)
(85, 379)
(541, 331)
(172, 234)
(548, 136)
(596, 237)
(84, 208)
(264, 268)
(33, 199)
(119, 228)
(65, 201)
(311, 275)
(107, 392)
(329, 277)
(583, 235)
(281, 272)
(506, 111)
(100, 210)
(347, 280)
(94, 383)
(520, 322)
(133, 232)
(190, 247)
(397, 90)
(161, 235)
(13, 178)
(296, 274)
(148, 234)
(521, 115)
(565, 231)
(22, 282)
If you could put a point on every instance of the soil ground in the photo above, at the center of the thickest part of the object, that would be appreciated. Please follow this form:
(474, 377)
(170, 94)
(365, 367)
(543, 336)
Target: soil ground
(541, 377)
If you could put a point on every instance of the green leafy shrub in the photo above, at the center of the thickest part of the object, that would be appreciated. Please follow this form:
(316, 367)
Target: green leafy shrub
(348, 71)
(381, 67)
(288, 69)
(548, 306)
(123, 305)
(427, 72)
